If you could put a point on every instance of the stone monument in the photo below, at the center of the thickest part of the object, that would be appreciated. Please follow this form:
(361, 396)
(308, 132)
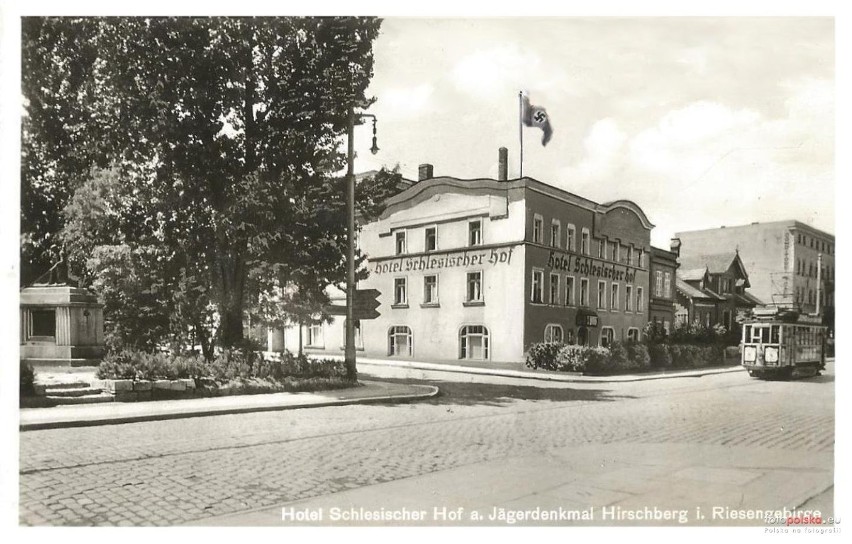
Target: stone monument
(61, 323)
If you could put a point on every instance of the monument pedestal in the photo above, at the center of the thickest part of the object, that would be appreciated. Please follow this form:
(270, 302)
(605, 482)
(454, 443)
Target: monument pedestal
(61, 325)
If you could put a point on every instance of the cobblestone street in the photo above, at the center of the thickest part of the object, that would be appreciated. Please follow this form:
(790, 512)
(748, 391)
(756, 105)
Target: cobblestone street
(170, 472)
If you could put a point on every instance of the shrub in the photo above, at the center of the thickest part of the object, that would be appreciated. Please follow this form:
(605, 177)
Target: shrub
(117, 365)
(639, 356)
(591, 359)
(660, 355)
(571, 358)
(598, 360)
(27, 379)
(544, 355)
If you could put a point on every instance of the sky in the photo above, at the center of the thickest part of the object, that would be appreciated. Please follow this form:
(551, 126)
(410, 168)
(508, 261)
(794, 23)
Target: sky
(702, 122)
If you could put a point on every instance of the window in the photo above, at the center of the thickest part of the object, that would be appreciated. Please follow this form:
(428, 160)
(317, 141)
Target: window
(553, 333)
(640, 301)
(630, 255)
(569, 336)
(569, 290)
(554, 288)
(601, 294)
(658, 283)
(667, 285)
(607, 336)
(399, 341)
(474, 286)
(601, 249)
(315, 339)
(431, 242)
(537, 287)
(628, 298)
(473, 342)
(641, 258)
(43, 323)
(400, 243)
(584, 242)
(430, 289)
(613, 302)
(538, 225)
(613, 251)
(584, 291)
(633, 334)
(400, 291)
(571, 242)
(555, 234)
(474, 233)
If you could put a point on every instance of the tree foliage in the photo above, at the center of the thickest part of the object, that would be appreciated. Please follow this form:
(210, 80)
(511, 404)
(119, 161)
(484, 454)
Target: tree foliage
(215, 142)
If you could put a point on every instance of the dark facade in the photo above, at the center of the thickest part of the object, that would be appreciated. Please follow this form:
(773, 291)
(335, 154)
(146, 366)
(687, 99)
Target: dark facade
(662, 287)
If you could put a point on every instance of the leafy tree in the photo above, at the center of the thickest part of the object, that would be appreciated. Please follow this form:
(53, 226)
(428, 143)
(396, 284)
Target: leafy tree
(222, 136)
(57, 139)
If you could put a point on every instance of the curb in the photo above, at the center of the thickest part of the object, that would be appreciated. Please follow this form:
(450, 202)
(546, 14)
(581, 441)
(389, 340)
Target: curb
(550, 377)
(427, 392)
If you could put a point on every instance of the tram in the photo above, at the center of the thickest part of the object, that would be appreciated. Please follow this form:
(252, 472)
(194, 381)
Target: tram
(783, 343)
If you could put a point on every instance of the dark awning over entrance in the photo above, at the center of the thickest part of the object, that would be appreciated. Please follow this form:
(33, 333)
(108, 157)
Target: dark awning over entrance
(586, 317)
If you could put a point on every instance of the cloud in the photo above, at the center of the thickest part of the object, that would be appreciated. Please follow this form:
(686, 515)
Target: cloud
(603, 152)
(489, 73)
(706, 160)
(406, 102)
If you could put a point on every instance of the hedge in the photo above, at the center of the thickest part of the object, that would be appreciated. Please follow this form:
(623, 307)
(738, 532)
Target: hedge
(230, 364)
(621, 357)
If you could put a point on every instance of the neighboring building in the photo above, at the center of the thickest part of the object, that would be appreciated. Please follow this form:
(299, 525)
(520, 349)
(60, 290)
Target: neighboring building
(721, 279)
(790, 264)
(694, 303)
(483, 268)
(661, 288)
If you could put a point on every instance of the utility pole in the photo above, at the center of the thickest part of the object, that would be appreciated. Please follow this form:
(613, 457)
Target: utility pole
(349, 350)
(349, 346)
(819, 282)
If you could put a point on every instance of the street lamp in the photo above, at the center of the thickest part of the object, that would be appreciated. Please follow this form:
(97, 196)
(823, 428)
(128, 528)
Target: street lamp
(349, 346)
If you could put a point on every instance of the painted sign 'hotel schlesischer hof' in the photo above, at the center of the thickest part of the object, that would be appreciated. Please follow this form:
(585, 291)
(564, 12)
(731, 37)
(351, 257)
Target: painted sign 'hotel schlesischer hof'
(483, 268)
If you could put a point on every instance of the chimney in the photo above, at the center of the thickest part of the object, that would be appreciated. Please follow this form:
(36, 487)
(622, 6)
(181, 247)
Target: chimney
(675, 246)
(424, 172)
(503, 167)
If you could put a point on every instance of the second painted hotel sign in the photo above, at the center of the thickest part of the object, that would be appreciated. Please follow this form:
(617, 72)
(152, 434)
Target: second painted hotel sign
(589, 267)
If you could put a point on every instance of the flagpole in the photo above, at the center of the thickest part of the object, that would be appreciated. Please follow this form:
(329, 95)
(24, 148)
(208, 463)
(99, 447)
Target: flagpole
(521, 130)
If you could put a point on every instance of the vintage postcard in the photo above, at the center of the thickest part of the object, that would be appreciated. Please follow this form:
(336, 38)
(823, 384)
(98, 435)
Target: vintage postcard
(326, 270)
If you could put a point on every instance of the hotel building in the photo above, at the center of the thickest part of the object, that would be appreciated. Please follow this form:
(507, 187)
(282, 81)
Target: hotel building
(483, 268)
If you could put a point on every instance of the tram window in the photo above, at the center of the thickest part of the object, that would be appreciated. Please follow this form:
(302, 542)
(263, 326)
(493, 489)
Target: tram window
(747, 333)
(775, 334)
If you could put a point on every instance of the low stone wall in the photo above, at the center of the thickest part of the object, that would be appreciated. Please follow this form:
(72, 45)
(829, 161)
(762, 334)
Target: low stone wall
(141, 390)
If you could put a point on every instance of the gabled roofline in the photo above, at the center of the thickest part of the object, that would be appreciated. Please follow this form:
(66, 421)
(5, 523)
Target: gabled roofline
(489, 185)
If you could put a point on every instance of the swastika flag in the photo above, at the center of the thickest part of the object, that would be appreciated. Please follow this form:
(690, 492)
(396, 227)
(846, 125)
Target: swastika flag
(536, 116)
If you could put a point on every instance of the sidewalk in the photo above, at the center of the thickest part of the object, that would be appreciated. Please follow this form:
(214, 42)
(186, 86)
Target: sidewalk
(510, 370)
(619, 484)
(119, 412)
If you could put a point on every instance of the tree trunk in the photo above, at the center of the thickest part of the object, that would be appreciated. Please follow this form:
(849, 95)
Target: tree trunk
(230, 297)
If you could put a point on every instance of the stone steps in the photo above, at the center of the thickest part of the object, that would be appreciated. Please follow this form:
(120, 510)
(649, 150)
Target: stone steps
(85, 399)
(75, 390)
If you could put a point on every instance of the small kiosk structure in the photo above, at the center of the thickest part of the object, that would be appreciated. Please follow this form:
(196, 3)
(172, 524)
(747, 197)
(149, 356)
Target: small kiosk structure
(61, 323)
